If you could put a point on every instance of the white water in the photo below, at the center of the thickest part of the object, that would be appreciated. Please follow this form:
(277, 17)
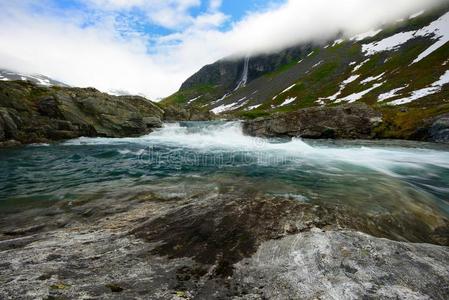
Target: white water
(244, 79)
(228, 138)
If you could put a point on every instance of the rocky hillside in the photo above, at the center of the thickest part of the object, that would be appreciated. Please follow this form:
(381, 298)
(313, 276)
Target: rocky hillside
(400, 70)
(34, 114)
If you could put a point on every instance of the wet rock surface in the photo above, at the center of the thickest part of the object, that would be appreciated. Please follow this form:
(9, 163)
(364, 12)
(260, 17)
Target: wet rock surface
(352, 121)
(439, 129)
(36, 114)
(345, 265)
(211, 244)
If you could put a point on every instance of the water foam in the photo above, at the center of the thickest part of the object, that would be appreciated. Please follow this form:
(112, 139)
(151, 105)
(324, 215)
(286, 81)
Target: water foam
(227, 137)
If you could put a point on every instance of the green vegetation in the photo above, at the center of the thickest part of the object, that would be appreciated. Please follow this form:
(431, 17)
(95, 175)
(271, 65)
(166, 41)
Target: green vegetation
(253, 114)
(281, 69)
(206, 92)
(337, 65)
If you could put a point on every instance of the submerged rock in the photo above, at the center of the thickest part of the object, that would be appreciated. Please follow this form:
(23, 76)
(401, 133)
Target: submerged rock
(34, 114)
(352, 121)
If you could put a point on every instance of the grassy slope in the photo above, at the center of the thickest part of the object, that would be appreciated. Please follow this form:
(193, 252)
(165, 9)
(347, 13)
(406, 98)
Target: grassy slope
(314, 81)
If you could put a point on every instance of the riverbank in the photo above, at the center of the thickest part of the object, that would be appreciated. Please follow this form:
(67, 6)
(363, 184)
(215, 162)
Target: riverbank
(351, 121)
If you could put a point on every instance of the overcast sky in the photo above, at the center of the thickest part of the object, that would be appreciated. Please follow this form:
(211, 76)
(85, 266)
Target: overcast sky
(150, 47)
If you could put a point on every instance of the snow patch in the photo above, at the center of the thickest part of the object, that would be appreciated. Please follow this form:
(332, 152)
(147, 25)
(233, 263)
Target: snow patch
(287, 101)
(416, 15)
(342, 87)
(418, 94)
(232, 106)
(388, 44)
(357, 96)
(372, 78)
(437, 30)
(337, 42)
(219, 100)
(317, 64)
(287, 89)
(253, 107)
(365, 35)
(191, 100)
(356, 68)
(351, 79)
(391, 94)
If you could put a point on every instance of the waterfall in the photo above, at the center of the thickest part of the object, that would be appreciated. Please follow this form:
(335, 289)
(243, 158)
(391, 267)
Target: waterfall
(244, 78)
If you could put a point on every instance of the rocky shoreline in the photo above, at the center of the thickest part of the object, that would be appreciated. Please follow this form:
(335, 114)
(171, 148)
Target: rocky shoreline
(350, 121)
(215, 245)
(35, 114)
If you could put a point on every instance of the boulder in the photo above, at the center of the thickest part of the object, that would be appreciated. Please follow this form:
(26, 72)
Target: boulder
(352, 121)
(439, 129)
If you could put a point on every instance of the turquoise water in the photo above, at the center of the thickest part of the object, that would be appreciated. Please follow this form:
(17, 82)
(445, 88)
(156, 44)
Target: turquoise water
(182, 158)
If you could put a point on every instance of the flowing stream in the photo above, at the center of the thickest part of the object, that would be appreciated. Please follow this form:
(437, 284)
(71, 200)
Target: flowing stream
(244, 78)
(181, 157)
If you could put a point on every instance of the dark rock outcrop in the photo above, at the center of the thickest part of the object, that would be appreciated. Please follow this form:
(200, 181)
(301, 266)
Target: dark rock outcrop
(438, 131)
(353, 121)
(33, 114)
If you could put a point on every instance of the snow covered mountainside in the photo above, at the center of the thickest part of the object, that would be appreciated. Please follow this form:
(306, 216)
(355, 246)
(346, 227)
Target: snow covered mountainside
(401, 70)
(7, 75)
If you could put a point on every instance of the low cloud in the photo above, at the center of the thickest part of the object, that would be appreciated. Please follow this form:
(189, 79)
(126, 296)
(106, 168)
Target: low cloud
(112, 55)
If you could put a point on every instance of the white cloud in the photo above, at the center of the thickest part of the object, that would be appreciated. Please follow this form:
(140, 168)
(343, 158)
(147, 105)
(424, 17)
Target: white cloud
(100, 54)
(167, 13)
(215, 4)
(303, 20)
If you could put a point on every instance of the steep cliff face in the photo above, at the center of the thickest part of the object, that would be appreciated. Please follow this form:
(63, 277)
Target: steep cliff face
(228, 75)
(32, 114)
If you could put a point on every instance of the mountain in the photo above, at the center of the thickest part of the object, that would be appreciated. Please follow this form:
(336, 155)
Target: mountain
(8, 75)
(400, 70)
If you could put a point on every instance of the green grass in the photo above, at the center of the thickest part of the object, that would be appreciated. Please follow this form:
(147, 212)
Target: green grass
(281, 69)
(183, 96)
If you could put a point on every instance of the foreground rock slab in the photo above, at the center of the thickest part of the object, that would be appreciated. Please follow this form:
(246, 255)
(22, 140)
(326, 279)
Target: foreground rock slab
(209, 245)
(346, 265)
